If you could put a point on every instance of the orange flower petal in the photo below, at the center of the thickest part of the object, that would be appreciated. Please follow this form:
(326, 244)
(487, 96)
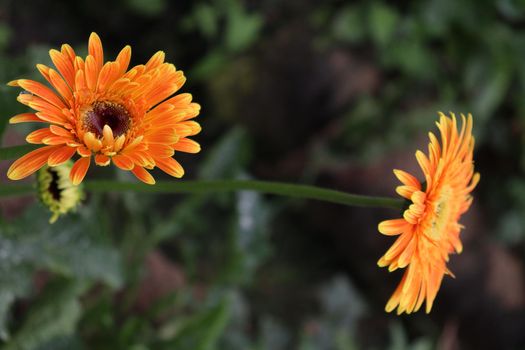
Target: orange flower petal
(38, 103)
(393, 227)
(55, 140)
(398, 246)
(60, 85)
(123, 162)
(123, 59)
(108, 139)
(80, 80)
(24, 118)
(406, 191)
(407, 179)
(194, 127)
(57, 130)
(42, 91)
(91, 73)
(68, 51)
(44, 70)
(96, 51)
(64, 64)
(170, 166)
(166, 136)
(143, 175)
(102, 160)
(101, 110)
(109, 73)
(406, 254)
(83, 151)
(393, 302)
(53, 118)
(30, 163)
(429, 228)
(37, 136)
(187, 145)
(158, 150)
(119, 142)
(61, 155)
(92, 142)
(156, 60)
(142, 159)
(79, 170)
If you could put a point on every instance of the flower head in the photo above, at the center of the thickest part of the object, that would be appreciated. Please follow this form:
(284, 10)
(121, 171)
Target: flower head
(104, 111)
(56, 190)
(429, 230)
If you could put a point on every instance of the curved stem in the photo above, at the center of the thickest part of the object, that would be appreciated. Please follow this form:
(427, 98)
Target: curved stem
(277, 188)
(16, 190)
(201, 186)
(204, 186)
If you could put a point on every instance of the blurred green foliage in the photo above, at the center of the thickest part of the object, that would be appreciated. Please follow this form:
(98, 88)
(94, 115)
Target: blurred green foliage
(79, 284)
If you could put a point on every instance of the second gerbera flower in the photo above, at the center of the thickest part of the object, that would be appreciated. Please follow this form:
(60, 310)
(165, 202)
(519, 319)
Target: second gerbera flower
(429, 230)
(105, 112)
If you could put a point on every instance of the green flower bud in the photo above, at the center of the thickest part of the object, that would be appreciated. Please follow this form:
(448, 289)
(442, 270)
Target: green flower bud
(56, 191)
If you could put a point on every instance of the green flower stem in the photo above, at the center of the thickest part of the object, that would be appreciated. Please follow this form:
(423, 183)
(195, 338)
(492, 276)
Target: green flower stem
(204, 186)
(277, 188)
(13, 152)
(14, 189)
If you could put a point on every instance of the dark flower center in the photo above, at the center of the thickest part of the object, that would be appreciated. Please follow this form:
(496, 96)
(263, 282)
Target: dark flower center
(53, 186)
(107, 113)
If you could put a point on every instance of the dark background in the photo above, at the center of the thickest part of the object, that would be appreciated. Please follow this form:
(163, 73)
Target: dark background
(331, 93)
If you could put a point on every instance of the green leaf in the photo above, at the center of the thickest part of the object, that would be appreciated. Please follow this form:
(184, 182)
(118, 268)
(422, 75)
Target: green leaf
(67, 248)
(14, 283)
(383, 22)
(206, 19)
(348, 25)
(488, 82)
(202, 331)
(247, 241)
(208, 65)
(147, 7)
(16, 190)
(227, 157)
(69, 342)
(5, 35)
(55, 313)
(399, 340)
(242, 29)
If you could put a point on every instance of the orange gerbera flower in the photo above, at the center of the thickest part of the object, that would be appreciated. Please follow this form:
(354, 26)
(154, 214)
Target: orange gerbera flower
(107, 112)
(429, 230)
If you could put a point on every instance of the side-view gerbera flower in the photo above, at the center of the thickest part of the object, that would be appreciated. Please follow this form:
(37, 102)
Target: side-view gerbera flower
(107, 112)
(429, 230)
